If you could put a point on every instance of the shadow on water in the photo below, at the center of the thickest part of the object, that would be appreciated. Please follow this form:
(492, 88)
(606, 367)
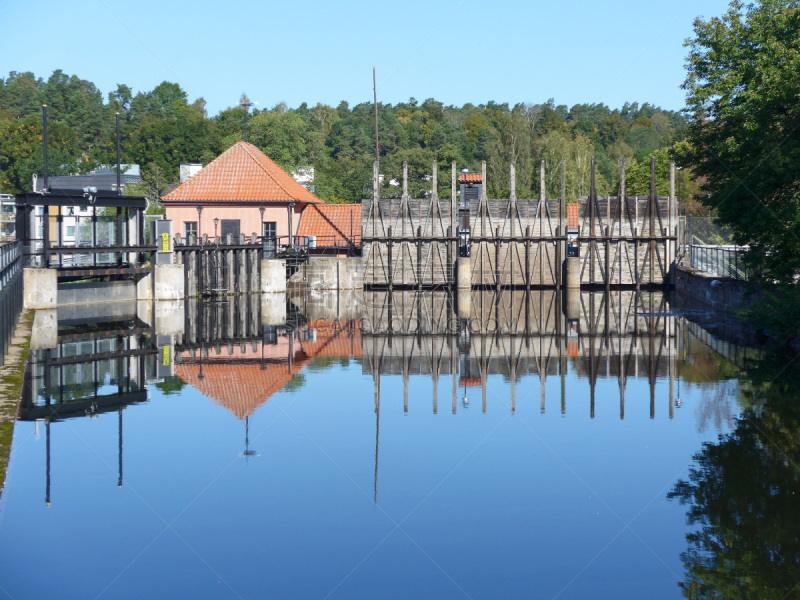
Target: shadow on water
(743, 493)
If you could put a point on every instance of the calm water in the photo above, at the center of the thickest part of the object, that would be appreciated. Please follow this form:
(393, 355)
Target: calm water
(326, 448)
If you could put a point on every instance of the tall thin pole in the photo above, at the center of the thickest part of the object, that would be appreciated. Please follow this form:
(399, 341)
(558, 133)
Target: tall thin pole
(119, 177)
(44, 141)
(375, 97)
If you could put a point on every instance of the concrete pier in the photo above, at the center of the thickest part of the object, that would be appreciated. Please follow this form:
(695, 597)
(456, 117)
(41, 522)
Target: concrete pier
(273, 276)
(573, 272)
(40, 288)
(464, 273)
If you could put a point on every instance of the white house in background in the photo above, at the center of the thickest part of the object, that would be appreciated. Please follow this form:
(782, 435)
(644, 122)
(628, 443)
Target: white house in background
(8, 218)
(188, 170)
(305, 177)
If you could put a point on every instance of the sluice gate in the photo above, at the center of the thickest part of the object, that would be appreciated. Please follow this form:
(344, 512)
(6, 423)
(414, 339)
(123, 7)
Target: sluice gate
(476, 242)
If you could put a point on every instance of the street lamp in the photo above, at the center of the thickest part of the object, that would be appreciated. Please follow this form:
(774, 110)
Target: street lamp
(261, 210)
(289, 208)
(199, 213)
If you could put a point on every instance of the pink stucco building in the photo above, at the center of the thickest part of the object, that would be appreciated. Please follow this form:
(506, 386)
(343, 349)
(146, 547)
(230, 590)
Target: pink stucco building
(241, 191)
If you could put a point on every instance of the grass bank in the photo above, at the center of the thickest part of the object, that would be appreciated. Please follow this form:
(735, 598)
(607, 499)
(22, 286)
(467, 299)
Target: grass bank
(11, 375)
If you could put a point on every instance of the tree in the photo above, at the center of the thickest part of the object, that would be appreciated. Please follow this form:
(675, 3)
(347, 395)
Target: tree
(22, 154)
(743, 73)
(154, 184)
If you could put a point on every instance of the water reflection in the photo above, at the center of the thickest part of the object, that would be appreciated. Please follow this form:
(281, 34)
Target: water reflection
(221, 366)
(516, 334)
(743, 494)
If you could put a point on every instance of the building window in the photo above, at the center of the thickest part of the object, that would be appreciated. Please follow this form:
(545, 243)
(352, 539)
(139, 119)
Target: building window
(269, 229)
(70, 231)
(189, 228)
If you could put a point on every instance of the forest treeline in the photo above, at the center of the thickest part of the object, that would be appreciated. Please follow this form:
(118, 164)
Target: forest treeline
(161, 128)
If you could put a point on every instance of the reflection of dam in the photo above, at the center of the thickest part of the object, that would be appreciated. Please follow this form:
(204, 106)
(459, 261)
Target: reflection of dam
(619, 334)
(242, 352)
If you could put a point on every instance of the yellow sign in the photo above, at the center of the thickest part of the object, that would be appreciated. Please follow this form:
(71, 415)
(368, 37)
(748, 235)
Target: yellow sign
(165, 359)
(165, 242)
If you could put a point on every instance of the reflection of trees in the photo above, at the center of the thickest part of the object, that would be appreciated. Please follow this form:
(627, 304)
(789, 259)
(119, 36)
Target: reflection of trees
(744, 498)
(714, 407)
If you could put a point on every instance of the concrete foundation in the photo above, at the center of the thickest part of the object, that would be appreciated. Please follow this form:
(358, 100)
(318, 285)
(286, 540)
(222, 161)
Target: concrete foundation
(169, 317)
(337, 305)
(91, 292)
(573, 304)
(144, 288)
(144, 311)
(719, 294)
(78, 314)
(464, 273)
(40, 288)
(168, 282)
(273, 276)
(572, 272)
(273, 309)
(464, 303)
(331, 273)
(44, 334)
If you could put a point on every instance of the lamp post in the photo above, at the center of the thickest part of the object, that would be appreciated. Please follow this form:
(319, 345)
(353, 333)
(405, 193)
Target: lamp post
(289, 208)
(216, 222)
(261, 210)
(199, 221)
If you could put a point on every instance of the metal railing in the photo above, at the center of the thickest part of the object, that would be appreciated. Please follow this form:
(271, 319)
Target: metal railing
(274, 246)
(722, 261)
(10, 293)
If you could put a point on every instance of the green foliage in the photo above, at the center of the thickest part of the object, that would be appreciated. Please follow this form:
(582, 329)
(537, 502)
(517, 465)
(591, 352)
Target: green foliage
(171, 385)
(776, 310)
(161, 128)
(637, 176)
(743, 73)
(153, 186)
(295, 384)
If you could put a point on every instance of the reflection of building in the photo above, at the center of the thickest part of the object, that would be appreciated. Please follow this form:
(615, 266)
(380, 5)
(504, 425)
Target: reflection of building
(95, 368)
(245, 376)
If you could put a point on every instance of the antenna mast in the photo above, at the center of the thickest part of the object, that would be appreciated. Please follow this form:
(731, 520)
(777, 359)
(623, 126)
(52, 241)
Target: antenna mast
(246, 103)
(375, 96)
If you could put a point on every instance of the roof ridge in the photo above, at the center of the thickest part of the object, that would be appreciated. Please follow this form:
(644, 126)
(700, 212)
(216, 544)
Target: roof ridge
(258, 162)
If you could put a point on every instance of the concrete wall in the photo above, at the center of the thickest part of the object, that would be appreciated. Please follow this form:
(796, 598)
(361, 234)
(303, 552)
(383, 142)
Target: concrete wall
(273, 276)
(719, 294)
(39, 288)
(330, 273)
(168, 282)
(96, 291)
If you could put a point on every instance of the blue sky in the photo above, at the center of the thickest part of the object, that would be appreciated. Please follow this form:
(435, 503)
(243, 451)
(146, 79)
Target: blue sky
(456, 51)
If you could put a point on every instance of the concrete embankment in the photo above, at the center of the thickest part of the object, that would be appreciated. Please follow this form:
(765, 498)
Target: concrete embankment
(11, 378)
(721, 298)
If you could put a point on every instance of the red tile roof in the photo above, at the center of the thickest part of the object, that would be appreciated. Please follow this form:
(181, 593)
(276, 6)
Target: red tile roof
(241, 174)
(239, 383)
(470, 178)
(332, 222)
(241, 388)
(572, 216)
